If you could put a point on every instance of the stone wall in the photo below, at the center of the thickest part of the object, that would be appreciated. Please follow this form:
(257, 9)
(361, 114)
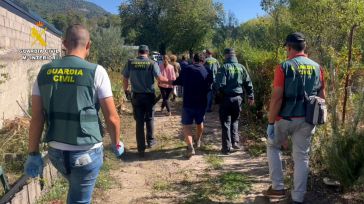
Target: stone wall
(17, 75)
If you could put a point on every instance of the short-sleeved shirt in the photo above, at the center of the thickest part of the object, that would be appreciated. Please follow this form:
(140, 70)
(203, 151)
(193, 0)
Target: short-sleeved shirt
(196, 82)
(141, 71)
(103, 90)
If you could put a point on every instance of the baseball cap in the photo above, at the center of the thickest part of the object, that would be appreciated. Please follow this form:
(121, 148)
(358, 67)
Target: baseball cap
(295, 37)
(143, 48)
(229, 51)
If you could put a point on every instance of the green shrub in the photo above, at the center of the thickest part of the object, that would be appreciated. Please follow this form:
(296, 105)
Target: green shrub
(346, 158)
(345, 152)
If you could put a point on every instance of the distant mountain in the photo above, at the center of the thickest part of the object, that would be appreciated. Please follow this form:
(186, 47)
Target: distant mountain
(51, 7)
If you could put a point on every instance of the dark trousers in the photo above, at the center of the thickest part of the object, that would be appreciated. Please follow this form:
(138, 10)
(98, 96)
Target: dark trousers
(229, 114)
(143, 109)
(165, 92)
(210, 97)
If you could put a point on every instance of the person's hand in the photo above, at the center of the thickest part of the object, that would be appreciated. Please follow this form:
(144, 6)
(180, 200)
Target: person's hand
(34, 166)
(270, 131)
(118, 149)
(251, 102)
(127, 95)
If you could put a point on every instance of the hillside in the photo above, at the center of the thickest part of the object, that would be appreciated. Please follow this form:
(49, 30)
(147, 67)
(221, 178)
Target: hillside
(51, 7)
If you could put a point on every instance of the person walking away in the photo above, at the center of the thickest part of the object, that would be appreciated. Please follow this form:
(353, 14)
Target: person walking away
(175, 64)
(177, 70)
(141, 72)
(195, 81)
(212, 66)
(67, 96)
(184, 62)
(167, 70)
(292, 78)
(232, 78)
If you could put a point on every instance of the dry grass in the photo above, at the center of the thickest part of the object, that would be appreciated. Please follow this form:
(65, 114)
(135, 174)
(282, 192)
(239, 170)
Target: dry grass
(13, 148)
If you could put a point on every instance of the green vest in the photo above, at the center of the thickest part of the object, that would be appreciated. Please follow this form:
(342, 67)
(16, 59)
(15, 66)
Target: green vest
(142, 72)
(69, 102)
(231, 76)
(294, 87)
(213, 65)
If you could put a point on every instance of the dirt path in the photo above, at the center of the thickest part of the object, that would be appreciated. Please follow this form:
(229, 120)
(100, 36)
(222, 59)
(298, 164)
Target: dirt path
(166, 176)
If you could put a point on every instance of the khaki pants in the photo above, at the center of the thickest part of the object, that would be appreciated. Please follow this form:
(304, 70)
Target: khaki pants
(301, 133)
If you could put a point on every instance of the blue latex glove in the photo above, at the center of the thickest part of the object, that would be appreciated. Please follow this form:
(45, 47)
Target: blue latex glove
(34, 166)
(270, 131)
(118, 149)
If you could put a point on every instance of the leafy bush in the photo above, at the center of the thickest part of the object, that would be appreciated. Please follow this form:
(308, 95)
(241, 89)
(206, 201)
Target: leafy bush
(14, 137)
(107, 49)
(346, 158)
(345, 152)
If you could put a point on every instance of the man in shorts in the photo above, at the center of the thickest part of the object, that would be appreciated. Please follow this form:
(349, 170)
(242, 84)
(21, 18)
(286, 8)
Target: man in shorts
(195, 80)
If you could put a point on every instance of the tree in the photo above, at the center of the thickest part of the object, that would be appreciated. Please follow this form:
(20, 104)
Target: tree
(107, 48)
(227, 26)
(258, 33)
(177, 24)
(190, 24)
(140, 22)
(62, 21)
(331, 25)
(320, 23)
(277, 9)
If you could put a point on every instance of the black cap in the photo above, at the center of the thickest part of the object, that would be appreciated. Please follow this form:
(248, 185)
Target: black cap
(143, 48)
(295, 37)
(229, 51)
